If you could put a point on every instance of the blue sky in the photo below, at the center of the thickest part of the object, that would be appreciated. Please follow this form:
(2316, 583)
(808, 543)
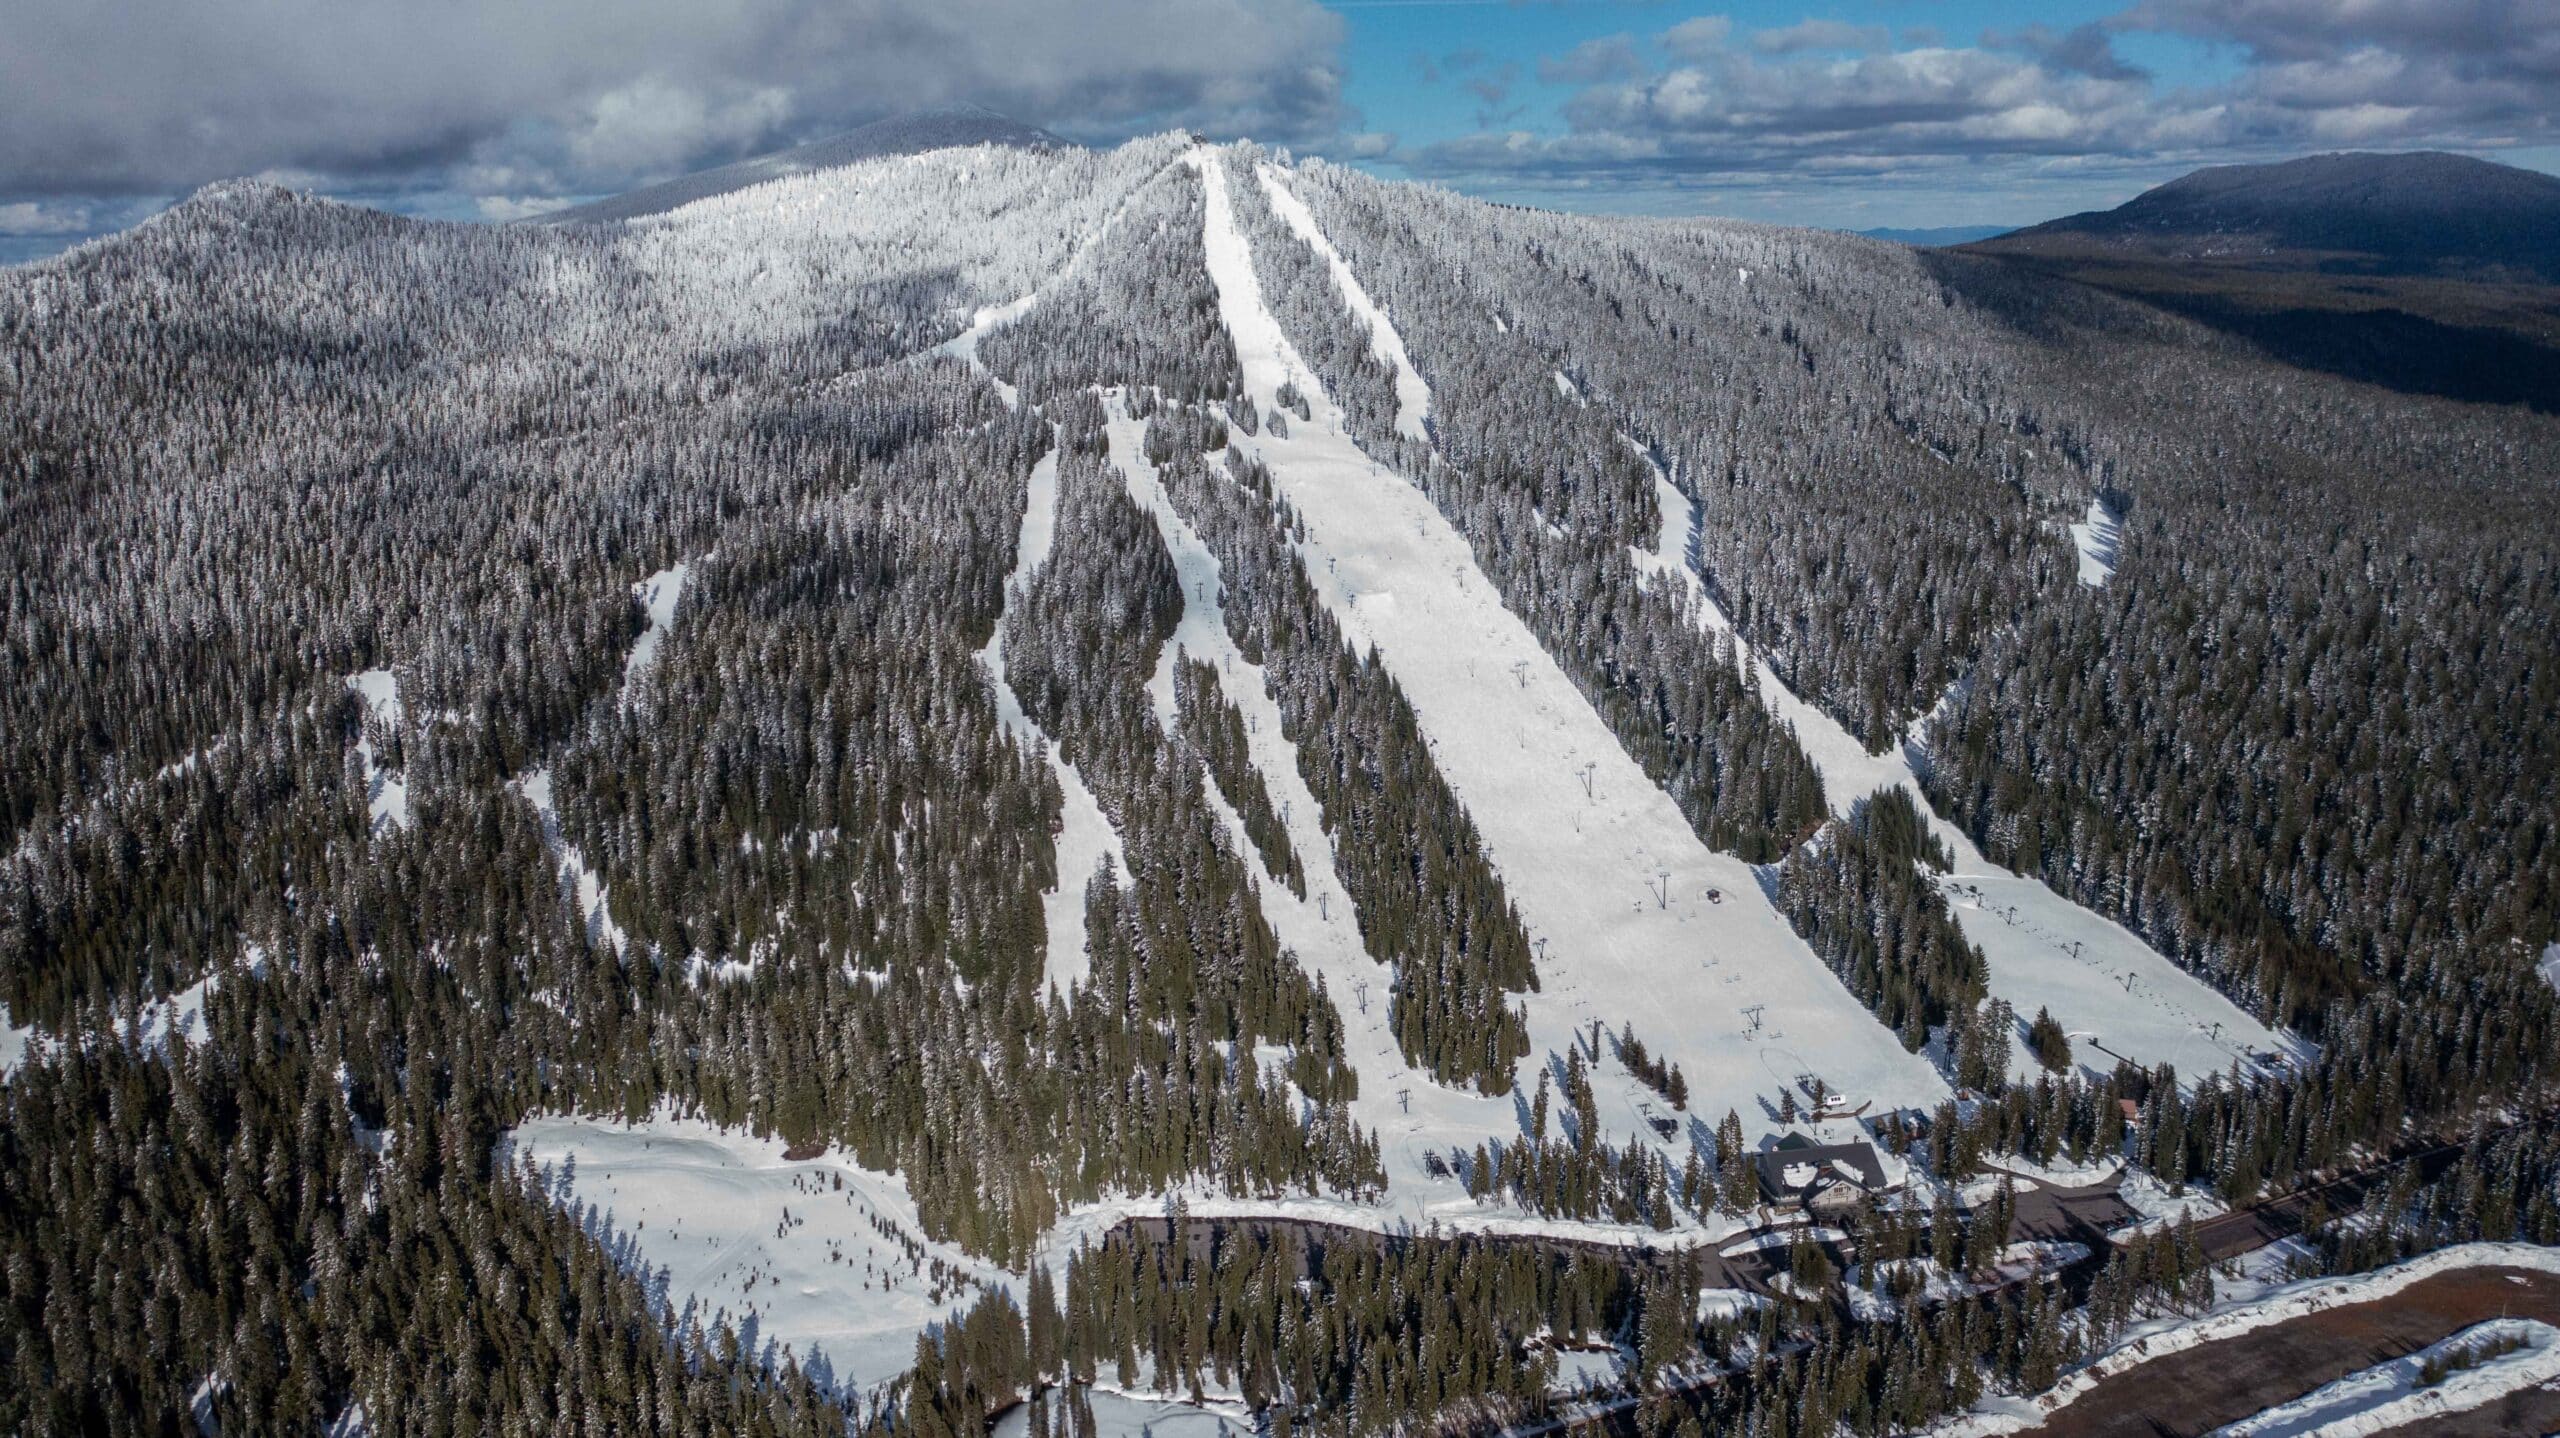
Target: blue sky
(1857, 114)
(2176, 86)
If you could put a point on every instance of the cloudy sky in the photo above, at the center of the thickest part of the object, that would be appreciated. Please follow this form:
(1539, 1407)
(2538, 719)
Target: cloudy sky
(1860, 114)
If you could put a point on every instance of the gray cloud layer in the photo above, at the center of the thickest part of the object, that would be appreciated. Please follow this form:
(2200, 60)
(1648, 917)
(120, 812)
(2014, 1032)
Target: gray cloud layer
(522, 97)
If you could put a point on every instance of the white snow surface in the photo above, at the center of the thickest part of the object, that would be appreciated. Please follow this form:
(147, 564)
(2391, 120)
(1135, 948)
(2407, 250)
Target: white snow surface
(2100, 539)
(386, 791)
(14, 1038)
(1615, 882)
(2144, 1342)
(582, 886)
(2387, 1396)
(2112, 993)
(1413, 396)
(1130, 1415)
(659, 594)
(1323, 929)
(1086, 839)
(703, 1211)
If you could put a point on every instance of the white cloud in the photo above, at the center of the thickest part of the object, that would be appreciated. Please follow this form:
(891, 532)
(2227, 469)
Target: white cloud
(559, 96)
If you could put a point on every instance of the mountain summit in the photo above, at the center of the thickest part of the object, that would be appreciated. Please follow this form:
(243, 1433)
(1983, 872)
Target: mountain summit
(943, 128)
(2426, 213)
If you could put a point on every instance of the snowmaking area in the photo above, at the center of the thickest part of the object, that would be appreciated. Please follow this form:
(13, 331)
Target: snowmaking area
(818, 1256)
(2116, 996)
(1636, 919)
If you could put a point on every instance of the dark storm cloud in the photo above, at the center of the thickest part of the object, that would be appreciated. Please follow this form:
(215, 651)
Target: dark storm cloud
(564, 96)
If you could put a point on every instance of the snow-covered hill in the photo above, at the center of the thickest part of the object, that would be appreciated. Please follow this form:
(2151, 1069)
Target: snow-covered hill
(902, 715)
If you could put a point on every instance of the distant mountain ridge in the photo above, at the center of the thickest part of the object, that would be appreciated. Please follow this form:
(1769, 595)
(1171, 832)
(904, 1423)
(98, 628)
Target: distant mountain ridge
(2424, 213)
(948, 127)
(1933, 236)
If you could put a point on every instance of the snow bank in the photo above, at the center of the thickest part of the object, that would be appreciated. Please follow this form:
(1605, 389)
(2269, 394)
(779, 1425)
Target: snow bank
(2387, 1396)
(2297, 1300)
(1118, 1414)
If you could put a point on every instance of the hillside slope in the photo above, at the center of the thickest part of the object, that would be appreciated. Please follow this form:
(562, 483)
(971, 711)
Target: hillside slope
(907, 731)
(922, 131)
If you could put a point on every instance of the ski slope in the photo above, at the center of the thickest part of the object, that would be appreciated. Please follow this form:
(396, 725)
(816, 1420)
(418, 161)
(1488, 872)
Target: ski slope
(1410, 1113)
(1413, 396)
(1086, 841)
(792, 1251)
(2114, 994)
(1607, 874)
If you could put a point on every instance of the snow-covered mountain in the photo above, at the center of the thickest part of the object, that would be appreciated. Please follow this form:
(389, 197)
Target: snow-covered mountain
(915, 133)
(906, 719)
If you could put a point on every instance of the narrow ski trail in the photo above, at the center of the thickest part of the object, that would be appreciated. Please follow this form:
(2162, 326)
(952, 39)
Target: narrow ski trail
(1086, 839)
(1409, 1112)
(2114, 994)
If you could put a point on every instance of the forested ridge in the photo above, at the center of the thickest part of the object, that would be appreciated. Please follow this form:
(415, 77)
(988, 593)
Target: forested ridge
(327, 697)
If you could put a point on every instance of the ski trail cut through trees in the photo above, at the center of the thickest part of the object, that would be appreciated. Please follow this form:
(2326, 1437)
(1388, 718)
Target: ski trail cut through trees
(1605, 870)
(1410, 1113)
(2114, 994)
(1086, 841)
(1413, 396)
(658, 595)
(386, 790)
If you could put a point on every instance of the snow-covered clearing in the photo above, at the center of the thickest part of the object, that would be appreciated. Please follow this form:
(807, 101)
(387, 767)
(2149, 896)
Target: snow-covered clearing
(14, 1038)
(793, 1252)
(386, 791)
(1413, 396)
(2145, 1342)
(657, 594)
(1086, 841)
(2113, 993)
(1611, 880)
(1129, 1415)
(2388, 1396)
(2099, 538)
